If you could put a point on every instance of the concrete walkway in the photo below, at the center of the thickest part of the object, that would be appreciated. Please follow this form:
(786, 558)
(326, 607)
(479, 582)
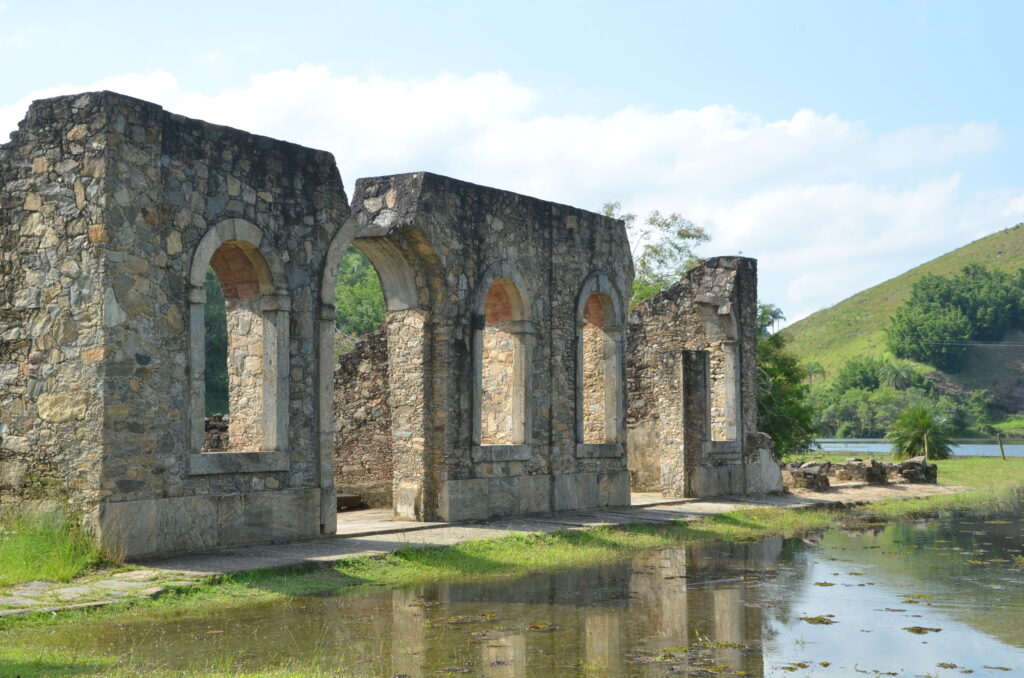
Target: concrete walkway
(371, 532)
(359, 536)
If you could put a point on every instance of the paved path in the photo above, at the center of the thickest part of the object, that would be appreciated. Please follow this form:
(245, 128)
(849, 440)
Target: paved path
(371, 532)
(374, 534)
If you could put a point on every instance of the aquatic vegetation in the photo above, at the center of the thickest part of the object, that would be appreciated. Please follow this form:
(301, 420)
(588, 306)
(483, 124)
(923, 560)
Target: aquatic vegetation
(921, 630)
(822, 619)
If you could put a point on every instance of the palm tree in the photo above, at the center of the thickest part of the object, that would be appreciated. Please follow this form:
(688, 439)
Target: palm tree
(918, 430)
(813, 369)
(900, 377)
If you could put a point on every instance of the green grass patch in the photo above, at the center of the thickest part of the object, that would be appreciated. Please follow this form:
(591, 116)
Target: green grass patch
(520, 554)
(1012, 426)
(39, 544)
(32, 663)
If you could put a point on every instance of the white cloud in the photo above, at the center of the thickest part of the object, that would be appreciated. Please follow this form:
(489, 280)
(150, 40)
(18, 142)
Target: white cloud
(826, 204)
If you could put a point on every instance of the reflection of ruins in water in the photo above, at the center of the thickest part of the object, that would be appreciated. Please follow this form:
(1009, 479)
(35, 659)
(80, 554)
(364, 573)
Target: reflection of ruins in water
(606, 621)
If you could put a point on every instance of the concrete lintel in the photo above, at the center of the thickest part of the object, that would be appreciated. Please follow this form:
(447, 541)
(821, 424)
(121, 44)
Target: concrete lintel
(217, 463)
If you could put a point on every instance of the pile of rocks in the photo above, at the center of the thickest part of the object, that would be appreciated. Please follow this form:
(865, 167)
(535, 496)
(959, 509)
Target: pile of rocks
(914, 470)
(810, 475)
(860, 470)
(217, 439)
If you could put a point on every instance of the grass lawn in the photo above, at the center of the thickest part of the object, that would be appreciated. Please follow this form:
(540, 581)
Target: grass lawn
(43, 545)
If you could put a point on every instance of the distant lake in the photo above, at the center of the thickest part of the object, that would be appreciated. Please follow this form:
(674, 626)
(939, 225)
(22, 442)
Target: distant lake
(963, 448)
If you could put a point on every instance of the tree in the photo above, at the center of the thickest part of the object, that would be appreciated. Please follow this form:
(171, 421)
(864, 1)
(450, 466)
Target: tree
(358, 299)
(662, 252)
(215, 375)
(814, 370)
(945, 312)
(899, 377)
(920, 430)
(929, 333)
(860, 371)
(783, 409)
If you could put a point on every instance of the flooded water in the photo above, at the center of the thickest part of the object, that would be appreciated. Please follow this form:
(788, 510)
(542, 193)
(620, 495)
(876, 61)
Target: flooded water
(962, 448)
(935, 598)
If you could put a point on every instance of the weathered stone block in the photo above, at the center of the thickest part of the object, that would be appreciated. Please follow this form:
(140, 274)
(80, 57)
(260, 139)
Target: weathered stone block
(534, 494)
(465, 499)
(62, 407)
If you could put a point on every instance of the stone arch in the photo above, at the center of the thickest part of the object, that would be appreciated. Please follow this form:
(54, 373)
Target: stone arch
(600, 317)
(400, 269)
(502, 345)
(257, 308)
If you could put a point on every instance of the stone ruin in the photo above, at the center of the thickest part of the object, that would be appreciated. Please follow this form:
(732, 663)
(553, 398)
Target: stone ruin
(818, 476)
(497, 386)
(692, 413)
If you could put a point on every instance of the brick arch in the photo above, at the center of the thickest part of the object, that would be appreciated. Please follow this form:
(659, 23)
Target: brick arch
(267, 269)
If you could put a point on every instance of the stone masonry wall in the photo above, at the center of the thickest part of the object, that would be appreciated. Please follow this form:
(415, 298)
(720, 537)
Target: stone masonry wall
(245, 373)
(712, 310)
(112, 210)
(105, 200)
(363, 453)
(594, 385)
(52, 306)
(499, 381)
(455, 239)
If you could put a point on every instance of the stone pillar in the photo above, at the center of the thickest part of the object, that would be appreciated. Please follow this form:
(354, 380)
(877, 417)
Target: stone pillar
(696, 416)
(408, 367)
(328, 425)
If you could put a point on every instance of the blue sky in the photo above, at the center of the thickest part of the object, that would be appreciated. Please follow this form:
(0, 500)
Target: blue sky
(840, 143)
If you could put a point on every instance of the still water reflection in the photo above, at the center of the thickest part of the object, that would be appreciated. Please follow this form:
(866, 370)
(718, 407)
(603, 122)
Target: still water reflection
(710, 609)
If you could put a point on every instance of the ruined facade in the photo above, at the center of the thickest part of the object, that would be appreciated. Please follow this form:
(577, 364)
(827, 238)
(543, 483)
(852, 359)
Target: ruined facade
(497, 386)
(692, 412)
(114, 211)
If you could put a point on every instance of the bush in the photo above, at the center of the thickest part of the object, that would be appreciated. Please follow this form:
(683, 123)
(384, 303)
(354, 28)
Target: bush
(978, 304)
(920, 430)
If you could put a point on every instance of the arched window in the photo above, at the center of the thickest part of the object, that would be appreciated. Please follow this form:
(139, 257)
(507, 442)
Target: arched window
(599, 364)
(232, 264)
(599, 378)
(502, 366)
(249, 358)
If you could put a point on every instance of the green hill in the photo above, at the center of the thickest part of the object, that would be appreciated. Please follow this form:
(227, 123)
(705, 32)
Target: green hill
(855, 326)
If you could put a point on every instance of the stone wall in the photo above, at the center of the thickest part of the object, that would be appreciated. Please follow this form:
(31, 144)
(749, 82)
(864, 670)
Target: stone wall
(500, 382)
(595, 407)
(112, 212)
(112, 209)
(363, 455)
(245, 374)
(439, 245)
(692, 410)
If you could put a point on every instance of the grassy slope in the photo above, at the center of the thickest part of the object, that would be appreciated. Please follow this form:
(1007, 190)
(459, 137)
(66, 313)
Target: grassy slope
(855, 325)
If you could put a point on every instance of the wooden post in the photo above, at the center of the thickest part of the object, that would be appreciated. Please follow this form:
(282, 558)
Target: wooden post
(926, 448)
(1002, 452)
